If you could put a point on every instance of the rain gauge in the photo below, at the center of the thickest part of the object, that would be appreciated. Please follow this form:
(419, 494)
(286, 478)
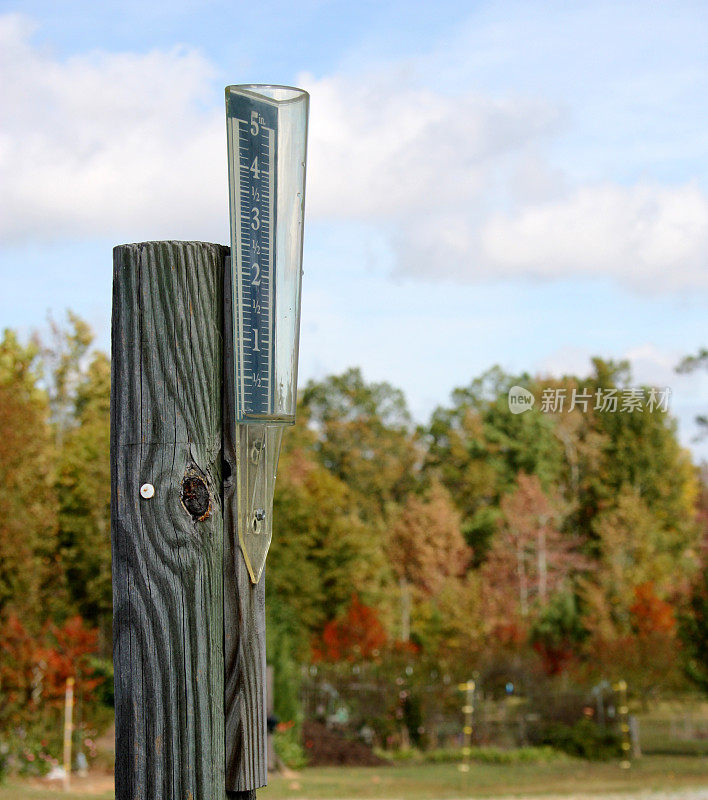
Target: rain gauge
(267, 142)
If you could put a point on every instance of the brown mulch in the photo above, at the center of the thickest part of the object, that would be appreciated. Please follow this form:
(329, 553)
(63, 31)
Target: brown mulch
(328, 748)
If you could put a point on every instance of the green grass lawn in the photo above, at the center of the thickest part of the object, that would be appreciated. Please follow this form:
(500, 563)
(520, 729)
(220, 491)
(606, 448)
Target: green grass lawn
(438, 781)
(18, 790)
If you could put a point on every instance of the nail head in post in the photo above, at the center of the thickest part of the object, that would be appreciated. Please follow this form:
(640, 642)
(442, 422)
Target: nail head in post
(147, 490)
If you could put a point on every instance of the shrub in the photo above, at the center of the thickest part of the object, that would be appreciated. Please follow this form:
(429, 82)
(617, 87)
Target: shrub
(584, 739)
(3, 761)
(26, 753)
(289, 749)
(480, 755)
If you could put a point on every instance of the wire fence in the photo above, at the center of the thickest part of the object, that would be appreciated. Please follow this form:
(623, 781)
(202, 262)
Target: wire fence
(435, 710)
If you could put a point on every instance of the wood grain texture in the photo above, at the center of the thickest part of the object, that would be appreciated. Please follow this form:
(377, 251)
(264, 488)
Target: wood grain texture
(166, 424)
(244, 620)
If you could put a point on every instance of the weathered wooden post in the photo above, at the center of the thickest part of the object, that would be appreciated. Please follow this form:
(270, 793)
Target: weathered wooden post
(167, 519)
(198, 400)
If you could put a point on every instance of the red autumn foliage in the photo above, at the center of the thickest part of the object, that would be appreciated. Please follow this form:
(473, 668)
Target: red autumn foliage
(509, 634)
(409, 648)
(556, 658)
(359, 634)
(21, 654)
(34, 667)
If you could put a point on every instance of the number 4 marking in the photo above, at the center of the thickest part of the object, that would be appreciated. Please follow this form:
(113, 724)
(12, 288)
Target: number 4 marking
(254, 168)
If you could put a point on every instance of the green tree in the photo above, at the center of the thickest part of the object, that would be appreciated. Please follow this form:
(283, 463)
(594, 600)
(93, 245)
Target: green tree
(322, 550)
(690, 364)
(693, 629)
(281, 631)
(557, 633)
(31, 581)
(363, 437)
(63, 352)
(83, 488)
(450, 625)
(634, 548)
(477, 448)
(641, 451)
(78, 385)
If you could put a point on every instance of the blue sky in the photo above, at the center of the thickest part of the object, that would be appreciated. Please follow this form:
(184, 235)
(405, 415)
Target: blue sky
(515, 183)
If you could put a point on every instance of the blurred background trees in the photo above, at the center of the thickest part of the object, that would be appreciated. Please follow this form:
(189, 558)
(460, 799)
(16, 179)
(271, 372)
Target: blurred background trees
(555, 545)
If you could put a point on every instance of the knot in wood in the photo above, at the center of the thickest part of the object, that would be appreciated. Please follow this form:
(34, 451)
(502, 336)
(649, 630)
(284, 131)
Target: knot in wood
(195, 497)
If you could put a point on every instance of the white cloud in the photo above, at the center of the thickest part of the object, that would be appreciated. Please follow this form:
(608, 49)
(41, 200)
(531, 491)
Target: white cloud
(102, 144)
(121, 145)
(383, 149)
(434, 170)
(647, 235)
(650, 365)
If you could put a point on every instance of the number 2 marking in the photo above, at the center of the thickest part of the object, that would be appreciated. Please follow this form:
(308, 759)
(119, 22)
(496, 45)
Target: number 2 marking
(256, 279)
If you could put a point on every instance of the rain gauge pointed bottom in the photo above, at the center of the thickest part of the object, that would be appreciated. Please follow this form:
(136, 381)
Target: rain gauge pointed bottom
(256, 467)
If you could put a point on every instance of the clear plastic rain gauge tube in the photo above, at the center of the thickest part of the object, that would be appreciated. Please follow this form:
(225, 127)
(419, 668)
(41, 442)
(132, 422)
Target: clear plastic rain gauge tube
(267, 143)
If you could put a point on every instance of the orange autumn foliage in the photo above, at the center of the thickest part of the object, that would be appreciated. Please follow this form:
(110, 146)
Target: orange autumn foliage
(650, 614)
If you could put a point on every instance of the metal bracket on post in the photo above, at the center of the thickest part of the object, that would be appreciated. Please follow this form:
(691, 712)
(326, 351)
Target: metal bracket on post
(245, 722)
(256, 465)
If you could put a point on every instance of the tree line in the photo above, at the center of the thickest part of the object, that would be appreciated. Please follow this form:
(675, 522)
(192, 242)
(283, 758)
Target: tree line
(574, 539)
